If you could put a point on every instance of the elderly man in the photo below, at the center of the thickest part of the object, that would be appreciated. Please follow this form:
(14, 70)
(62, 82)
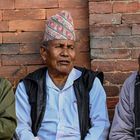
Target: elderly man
(126, 122)
(7, 110)
(52, 103)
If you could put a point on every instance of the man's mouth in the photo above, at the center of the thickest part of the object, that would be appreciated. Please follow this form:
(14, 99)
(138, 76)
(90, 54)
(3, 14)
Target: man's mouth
(64, 62)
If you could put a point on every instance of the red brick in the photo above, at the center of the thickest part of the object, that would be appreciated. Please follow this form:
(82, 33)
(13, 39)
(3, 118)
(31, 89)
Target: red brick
(24, 14)
(135, 29)
(82, 35)
(116, 77)
(82, 38)
(125, 7)
(135, 53)
(19, 48)
(22, 37)
(36, 4)
(9, 49)
(110, 53)
(0, 38)
(105, 19)
(51, 12)
(83, 59)
(12, 71)
(120, 42)
(134, 41)
(100, 7)
(30, 48)
(100, 42)
(16, 60)
(81, 24)
(14, 82)
(26, 25)
(114, 65)
(139, 5)
(6, 4)
(33, 68)
(111, 114)
(126, 65)
(109, 30)
(72, 3)
(82, 46)
(0, 60)
(98, 0)
(112, 91)
(121, 30)
(126, 42)
(100, 31)
(111, 102)
(0, 15)
(79, 13)
(131, 18)
(4, 26)
(76, 13)
(105, 66)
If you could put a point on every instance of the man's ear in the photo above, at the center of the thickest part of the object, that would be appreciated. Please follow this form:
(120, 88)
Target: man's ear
(43, 53)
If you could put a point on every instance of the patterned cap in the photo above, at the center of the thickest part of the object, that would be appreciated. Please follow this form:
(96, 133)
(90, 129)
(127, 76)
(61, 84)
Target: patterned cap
(59, 26)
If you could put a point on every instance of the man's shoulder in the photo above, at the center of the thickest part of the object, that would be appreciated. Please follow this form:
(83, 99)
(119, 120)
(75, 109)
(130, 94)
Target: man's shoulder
(89, 75)
(5, 87)
(36, 74)
(85, 70)
(4, 82)
(131, 79)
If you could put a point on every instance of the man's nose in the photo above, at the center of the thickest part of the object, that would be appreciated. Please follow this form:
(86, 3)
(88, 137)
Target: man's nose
(65, 51)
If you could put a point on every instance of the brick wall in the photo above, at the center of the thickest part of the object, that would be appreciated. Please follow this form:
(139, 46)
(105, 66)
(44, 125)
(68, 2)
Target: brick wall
(115, 42)
(21, 31)
(113, 27)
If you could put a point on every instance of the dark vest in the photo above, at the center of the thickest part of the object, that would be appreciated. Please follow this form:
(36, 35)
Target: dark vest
(35, 85)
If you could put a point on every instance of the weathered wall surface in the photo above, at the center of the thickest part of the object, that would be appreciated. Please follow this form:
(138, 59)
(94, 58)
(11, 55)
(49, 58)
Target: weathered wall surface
(114, 41)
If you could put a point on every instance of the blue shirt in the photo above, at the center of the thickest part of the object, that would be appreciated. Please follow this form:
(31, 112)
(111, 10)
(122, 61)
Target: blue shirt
(61, 121)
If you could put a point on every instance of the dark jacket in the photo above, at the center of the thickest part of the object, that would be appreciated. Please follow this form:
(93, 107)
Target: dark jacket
(7, 110)
(35, 88)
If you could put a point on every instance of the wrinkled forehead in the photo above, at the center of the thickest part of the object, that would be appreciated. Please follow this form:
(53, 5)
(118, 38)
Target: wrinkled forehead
(60, 41)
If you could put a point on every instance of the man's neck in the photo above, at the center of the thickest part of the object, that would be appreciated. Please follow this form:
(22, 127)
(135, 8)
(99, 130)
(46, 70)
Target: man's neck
(58, 79)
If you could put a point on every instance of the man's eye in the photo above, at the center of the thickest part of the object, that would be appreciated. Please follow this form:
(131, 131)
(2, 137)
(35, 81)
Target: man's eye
(70, 46)
(59, 46)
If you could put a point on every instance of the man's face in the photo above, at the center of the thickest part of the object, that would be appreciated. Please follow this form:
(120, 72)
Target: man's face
(59, 56)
